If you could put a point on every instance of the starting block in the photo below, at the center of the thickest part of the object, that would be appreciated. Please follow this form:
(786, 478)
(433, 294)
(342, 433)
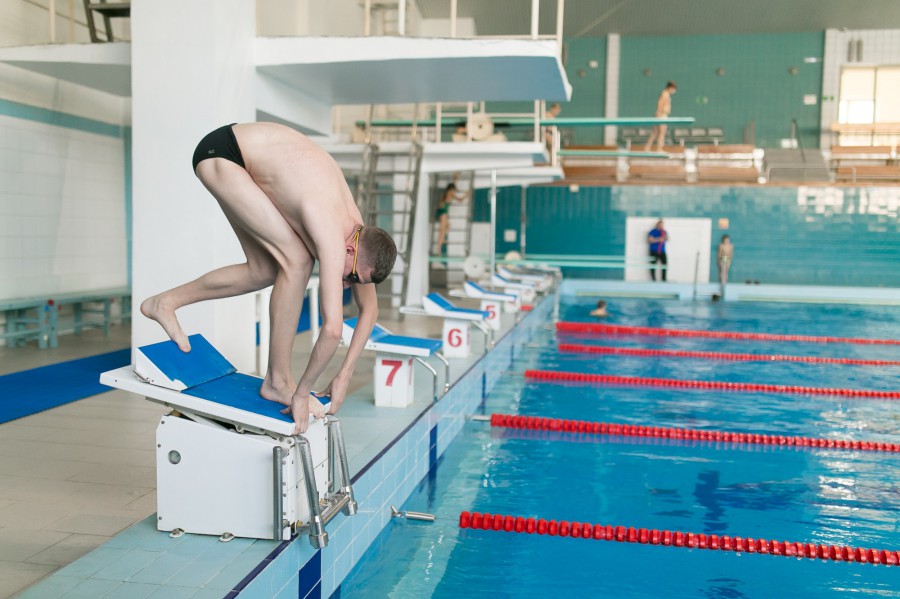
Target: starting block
(227, 462)
(394, 356)
(540, 281)
(526, 291)
(455, 336)
(491, 302)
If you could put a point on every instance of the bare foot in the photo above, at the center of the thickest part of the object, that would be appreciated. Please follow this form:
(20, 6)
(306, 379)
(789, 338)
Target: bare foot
(155, 309)
(280, 393)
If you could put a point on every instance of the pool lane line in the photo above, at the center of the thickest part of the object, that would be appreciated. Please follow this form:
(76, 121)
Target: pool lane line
(681, 434)
(613, 379)
(609, 329)
(708, 355)
(668, 538)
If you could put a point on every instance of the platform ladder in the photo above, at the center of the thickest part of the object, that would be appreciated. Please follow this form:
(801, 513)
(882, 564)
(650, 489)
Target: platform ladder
(384, 17)
(459, 237)
(387, 198)
(107, 10)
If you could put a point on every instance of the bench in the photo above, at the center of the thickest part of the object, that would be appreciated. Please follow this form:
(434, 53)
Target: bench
(673, 168)
(25, 319)
(86, 304)
(583, 167)
(733, 162)
(697, 135)
(850, 163)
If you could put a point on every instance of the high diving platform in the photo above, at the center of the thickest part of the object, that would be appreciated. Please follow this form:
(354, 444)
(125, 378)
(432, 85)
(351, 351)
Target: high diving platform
(228, 461)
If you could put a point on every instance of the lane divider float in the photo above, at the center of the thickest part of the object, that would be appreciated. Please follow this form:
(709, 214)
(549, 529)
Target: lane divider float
(609, 329)
(643, 352)
(681, 434)
(668, 538)
(613, 379)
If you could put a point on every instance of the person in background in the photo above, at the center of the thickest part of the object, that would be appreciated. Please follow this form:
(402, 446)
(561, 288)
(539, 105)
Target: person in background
(657, 239)
(663, 109)
(724, 255)
(441, 215)
(600, 310)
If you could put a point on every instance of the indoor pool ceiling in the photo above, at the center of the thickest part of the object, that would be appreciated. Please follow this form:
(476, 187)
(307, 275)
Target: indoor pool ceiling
(672, 17)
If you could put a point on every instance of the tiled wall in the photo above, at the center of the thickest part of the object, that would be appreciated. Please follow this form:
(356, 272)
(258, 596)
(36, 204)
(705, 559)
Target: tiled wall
(62, 203)
(756, 83)
(783, 235)
(299, 570)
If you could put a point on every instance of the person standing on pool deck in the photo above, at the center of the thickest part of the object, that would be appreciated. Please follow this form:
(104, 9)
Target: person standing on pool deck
(724, 255)
(663, 109)
(289, 205)
(657, 240)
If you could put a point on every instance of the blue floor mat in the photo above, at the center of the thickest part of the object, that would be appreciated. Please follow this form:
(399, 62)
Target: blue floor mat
(32, 391)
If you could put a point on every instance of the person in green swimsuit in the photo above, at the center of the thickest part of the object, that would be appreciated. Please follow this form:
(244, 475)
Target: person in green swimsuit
(441, 214)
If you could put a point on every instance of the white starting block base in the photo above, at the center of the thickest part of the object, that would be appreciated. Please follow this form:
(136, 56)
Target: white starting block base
(394, 380)
(231, 489)
(226, 458)
(456, 338)
(493, 308)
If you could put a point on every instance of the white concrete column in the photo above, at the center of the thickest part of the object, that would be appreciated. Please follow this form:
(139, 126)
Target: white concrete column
(613, 53)
(192, 71)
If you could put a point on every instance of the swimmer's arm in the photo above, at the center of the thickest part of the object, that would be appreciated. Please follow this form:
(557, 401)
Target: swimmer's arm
(367, 301)
(332, 305)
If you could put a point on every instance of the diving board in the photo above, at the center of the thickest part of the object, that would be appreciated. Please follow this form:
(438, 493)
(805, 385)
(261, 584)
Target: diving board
(228, 462)
(394, 355)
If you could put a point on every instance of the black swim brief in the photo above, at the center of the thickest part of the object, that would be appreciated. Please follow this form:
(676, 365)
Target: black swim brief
(221, 143)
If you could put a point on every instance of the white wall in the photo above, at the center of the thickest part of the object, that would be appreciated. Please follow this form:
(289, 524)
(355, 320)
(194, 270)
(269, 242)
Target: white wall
(180, 232)
(688, 238)
(62, 210)
(879, 47)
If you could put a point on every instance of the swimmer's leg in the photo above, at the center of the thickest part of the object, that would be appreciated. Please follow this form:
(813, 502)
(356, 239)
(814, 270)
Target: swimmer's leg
(275, 255)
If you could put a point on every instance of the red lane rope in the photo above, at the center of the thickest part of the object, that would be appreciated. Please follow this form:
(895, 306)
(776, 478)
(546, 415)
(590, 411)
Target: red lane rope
(709, 355)
(689, 540)
(612, 379)
(608, 329)
(686, 434)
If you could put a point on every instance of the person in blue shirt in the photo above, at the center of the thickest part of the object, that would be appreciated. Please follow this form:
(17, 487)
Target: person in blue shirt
(657, 240)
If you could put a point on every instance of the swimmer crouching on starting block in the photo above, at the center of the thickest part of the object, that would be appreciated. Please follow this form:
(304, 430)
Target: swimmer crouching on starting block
(289, 205)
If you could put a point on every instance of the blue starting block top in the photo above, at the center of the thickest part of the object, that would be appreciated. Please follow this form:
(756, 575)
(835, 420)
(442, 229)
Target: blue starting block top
(241, 391)
(206, 374)
(382, 340)
(203, 363)
(445, 305)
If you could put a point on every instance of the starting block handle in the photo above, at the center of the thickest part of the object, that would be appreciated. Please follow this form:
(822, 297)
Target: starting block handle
(278, 490)
(488, 335)
(317, 535)
(433, 373)
(441, 357)
(336, 445)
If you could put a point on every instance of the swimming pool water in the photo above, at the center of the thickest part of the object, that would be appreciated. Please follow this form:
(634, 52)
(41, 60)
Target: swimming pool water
(809, 495)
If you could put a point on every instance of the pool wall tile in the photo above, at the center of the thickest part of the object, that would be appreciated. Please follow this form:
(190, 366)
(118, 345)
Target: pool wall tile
(390, 479)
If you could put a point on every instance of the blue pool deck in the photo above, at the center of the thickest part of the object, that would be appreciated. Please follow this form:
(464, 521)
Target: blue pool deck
(390, 451)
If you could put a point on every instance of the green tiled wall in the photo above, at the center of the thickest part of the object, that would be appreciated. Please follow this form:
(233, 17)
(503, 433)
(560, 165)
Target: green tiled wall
(756, 85)
(782, 235)
(588, 85)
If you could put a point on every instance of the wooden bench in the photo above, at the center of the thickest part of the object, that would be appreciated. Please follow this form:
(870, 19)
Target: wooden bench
(732, 162)
(583, 167)
(672, 168)
(26, 318)
(850, 163)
